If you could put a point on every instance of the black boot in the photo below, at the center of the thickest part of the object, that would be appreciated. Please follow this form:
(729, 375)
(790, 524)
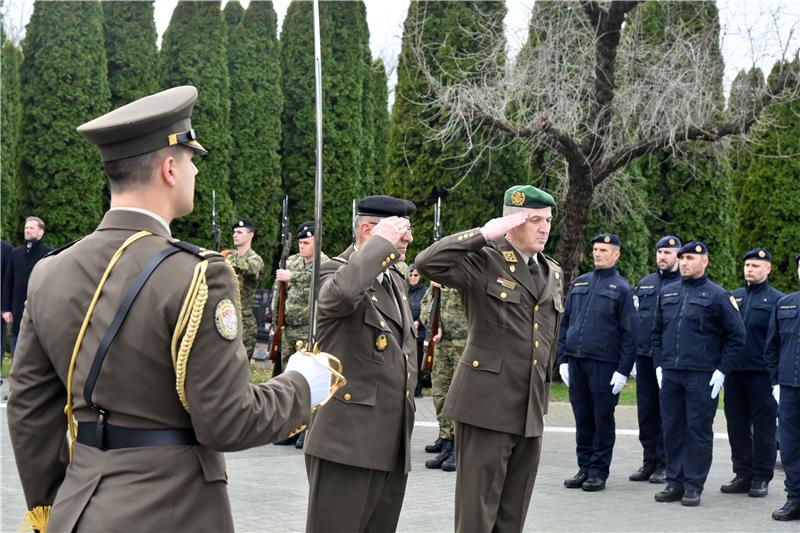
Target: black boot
(789, 511)
(738, 485)
(759, 488)
(447, 450)
(450, 464)
(643, 474)
(436, 447)
(301, 440)
(658, 476)
(576, 481)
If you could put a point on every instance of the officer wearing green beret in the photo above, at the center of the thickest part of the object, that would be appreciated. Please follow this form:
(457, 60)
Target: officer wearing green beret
(248, 266)
(513, 298)
(139, 334)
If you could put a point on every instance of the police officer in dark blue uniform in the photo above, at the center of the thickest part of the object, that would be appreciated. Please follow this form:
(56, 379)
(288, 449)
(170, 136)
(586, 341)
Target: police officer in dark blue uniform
(648, 407)
(782, 354)
(596, 351)
(748, 392)
(697, 338)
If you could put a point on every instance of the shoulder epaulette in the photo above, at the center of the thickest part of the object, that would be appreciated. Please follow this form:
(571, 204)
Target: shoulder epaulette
(196, 250)
(339, 258)
(59, 250)
(550, 259)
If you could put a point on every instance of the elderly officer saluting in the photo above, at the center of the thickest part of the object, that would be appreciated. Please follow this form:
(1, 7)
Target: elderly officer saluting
(782, 354)
(697, 338)
(750, 408)
(139, 334)
(596, 351)
(512, 296)
(358, 445)
(648, 406)
(248, 266)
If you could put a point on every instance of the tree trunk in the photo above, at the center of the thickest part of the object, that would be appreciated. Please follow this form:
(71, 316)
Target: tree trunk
(572, 233)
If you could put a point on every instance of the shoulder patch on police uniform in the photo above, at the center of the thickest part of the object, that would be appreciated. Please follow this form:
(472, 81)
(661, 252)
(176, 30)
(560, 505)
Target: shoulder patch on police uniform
(227, 319)
(510, 256)
(733, 303)
(636, 302)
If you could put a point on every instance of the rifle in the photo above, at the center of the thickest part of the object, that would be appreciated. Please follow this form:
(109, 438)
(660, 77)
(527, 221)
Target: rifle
(215, 231)
(436, 308)
(279, 318)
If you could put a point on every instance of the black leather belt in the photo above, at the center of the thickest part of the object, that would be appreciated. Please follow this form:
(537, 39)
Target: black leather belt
(108, 437)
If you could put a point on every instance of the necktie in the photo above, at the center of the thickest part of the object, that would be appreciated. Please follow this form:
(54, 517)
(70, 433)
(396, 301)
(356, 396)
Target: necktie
(539, 278)
(387, 284)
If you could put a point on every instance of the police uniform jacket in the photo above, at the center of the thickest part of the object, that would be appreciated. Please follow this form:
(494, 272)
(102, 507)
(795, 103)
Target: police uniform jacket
(600, 320)
(647, 292)
(368, 422)
(755, 305)
(697, 327)
(158, 488)
(502, 381)
(782, 351)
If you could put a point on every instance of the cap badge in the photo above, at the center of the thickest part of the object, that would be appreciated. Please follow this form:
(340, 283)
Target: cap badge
(698, 248)
(517, 198)
(606, 239)
(672, 242)
(761, 253)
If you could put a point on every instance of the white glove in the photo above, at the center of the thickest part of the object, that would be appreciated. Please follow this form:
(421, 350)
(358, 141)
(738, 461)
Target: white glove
(658, 376)
(563, 369)
(716, 383)
(776, 393)
(633, 371)
(617, 382)
(315, 369)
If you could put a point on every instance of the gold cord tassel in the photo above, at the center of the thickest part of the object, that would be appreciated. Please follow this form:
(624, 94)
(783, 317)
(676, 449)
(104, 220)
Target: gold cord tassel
(36, 519)
(189, 320)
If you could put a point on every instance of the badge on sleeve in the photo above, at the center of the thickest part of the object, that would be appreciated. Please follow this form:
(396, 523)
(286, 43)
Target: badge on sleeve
(733, 303)
(227, 319)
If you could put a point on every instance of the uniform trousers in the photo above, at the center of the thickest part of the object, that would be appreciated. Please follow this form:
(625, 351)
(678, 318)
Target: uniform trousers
(494, 479)
(750, 411)
(789, 428)
(687, 412)
(593, 405)
(648, 409)
(344, 498)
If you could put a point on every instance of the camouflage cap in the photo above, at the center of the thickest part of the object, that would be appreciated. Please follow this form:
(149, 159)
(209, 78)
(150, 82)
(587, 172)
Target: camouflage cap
(527, 196)
(145, 125)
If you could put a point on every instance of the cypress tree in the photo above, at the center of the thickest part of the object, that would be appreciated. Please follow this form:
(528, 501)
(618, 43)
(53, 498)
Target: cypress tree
(11, 120)
(768, 207)
(232, 14)
(380, 125)
(453, 36)
(64, 83)
(345, 67)
(256, 106)
(194, 53)
(740, 104)
(130, 40)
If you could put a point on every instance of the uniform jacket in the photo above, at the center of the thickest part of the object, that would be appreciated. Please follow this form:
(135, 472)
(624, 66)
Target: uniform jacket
(600, 320)
(161, 488)
(297, 291)
(453, 319)
(502, 381)
(755, 305)
(647, 292)
(782, 352)
(248, 267)
(697, 327)
(368, 422)
(16, 277)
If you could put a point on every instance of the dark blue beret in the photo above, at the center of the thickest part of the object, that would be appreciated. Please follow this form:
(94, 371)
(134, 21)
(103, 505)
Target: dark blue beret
(385, 206)
(607, 238)
(758, 253)
(305, 230)
(694, 247)
(668, 241)
(244, 223)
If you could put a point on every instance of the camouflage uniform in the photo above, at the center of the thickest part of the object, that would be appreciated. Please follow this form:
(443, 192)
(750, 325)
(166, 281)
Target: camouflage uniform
(448, 350)
(296, 311)
(247, 268)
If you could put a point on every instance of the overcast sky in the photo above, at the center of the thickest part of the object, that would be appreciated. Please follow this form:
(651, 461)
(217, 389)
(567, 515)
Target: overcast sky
(773, 24)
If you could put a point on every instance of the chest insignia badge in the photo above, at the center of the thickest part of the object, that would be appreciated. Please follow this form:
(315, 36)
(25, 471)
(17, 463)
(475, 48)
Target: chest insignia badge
(381, 342)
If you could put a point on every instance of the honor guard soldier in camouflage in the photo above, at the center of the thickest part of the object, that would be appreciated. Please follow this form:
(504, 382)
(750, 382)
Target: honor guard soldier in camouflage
(140, 335)
(513, 298)
(451, 339)
(248, 266)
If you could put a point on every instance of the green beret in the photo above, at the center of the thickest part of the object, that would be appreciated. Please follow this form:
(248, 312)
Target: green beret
(527, 196)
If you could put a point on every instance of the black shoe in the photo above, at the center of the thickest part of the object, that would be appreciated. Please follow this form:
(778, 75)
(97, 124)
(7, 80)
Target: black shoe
(447, 451)
(450, 464)
(643, 474)
(691, 498)
(287, 442)
(789, 511)
(738, 485)
(658, 476)
(301, 440)
(593, 484)
(576, 481)
(759, 488)
(436, 447)
(670, 494)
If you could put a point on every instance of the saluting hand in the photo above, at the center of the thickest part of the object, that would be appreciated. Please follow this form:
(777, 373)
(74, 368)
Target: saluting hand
(393, 229)
(497, 227)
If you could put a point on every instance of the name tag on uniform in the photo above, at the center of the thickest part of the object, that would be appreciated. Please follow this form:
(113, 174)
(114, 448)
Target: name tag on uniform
(646, 286)
(788, 307)
(580, 284)
(507, 283)
(667, 295)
